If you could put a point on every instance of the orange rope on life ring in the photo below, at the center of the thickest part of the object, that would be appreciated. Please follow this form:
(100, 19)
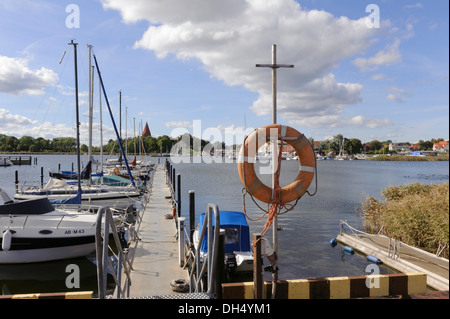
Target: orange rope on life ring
(247, 159)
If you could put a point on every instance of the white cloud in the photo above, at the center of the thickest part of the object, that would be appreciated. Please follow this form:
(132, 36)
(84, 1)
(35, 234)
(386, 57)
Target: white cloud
(394, 97)
(336, 121)
(17, 78)
(389, 56)
(417, 5)
(8, 121)
(230, 37)
(180, 124)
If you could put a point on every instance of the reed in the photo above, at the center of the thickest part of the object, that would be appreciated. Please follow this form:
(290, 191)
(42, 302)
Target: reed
(417, 214)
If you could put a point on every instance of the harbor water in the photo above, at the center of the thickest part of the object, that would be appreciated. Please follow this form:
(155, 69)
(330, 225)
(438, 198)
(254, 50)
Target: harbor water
(304, 249)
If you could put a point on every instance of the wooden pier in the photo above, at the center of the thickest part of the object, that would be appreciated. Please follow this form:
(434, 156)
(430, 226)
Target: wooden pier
(154, 257)
(401, 257)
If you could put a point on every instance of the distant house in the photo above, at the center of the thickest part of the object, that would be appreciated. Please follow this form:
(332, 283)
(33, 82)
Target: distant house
(399, 147)
(414, 147)
(287, 148)
(440, 147)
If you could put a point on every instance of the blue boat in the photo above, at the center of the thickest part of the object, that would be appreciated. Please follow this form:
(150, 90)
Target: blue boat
(238, 251)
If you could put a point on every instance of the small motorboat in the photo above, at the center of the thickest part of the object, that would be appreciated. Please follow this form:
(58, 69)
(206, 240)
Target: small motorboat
(238, 252)
(35, 231)
(5, 161)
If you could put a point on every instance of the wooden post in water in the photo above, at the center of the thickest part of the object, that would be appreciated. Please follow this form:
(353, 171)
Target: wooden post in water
(274, 66)
(258, 289)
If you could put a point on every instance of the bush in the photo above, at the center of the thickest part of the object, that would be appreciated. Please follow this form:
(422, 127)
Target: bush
(417, 214)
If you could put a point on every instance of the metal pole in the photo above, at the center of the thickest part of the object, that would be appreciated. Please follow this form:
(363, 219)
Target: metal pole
(90, 104)
(274, 66)
(77, 112)
(274, 161)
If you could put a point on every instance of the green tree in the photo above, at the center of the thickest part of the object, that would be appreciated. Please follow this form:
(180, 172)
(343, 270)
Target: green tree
(353, 146)
(25, 143)
(375, 145)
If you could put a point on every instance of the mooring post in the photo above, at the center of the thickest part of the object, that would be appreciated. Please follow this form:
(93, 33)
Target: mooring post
(258, 283)
(173, 181)
(179, 194)
(42, 176)
(17, 182)
(181, 241)
(191, 216)
(221, 272)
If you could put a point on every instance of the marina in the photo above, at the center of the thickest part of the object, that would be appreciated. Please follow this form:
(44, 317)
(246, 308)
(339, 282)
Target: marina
(154, 247)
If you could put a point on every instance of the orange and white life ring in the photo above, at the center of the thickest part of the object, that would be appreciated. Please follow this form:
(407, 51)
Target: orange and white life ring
(247, 159)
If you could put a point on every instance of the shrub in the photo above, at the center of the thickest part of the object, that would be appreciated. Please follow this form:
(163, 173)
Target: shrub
(417, 214)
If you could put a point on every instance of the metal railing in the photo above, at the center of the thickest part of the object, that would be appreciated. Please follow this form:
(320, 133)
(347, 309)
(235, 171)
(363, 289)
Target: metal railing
(102, 255)
(209, 263)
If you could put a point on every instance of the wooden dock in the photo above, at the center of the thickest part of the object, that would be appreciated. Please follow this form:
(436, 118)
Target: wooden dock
(154, 257)
(401, 257)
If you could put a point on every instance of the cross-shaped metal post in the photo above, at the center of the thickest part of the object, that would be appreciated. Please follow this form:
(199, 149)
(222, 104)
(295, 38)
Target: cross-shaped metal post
(274, 66)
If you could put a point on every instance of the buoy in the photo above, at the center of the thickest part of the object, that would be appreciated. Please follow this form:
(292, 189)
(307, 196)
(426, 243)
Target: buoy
(247, 156)
(374, 259)
(6, 241)
(349, 249)
(180, 285)
(333, 242)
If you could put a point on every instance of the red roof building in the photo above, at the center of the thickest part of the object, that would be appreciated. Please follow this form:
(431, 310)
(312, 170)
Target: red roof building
(146, 131)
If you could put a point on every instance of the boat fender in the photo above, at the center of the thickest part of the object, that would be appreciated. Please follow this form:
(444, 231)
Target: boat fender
(174, 211)
(6, 240)
(333, 242)
(349, 249)
(180, 285)
(374, 259)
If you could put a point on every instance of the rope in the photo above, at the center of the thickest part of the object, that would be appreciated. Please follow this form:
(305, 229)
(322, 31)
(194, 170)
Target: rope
(275, 207)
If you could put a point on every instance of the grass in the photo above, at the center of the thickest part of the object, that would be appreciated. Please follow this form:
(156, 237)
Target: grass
(440, 157)
(417, 214)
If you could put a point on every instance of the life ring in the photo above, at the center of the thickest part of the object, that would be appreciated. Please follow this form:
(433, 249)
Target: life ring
(180, 285)
(247, 159)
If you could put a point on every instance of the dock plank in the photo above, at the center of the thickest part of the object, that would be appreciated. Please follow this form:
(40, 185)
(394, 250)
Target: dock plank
(155, 258)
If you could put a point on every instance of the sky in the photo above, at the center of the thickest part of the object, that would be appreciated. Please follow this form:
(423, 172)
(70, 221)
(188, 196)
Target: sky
(372, 70)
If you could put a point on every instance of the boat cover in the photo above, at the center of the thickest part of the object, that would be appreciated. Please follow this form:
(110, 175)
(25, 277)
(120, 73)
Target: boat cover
(27, 207)
(237, 232)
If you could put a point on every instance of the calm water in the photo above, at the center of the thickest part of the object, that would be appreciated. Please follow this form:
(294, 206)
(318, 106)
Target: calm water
(304, 250)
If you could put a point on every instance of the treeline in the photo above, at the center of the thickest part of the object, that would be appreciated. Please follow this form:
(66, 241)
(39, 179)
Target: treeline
(354, 146)
(146, 145)
(185, 143)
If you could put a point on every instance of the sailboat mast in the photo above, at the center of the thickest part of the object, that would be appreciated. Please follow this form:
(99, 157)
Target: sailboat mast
(90, 103)
(77, 112)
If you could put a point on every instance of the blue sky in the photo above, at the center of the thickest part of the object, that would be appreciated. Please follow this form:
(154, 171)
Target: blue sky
(180, 63)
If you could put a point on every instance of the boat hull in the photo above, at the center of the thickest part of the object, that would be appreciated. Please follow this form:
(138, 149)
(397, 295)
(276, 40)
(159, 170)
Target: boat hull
(45, 254)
